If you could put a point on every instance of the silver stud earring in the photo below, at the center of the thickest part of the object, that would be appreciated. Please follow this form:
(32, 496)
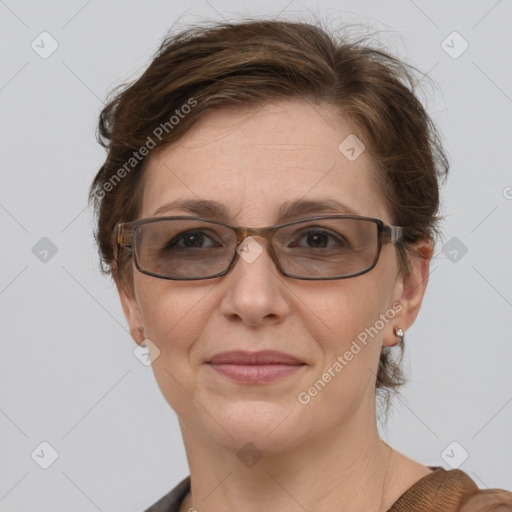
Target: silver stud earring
(399, 333)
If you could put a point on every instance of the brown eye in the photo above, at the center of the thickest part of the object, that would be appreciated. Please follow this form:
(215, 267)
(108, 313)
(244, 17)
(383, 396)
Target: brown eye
(318, 239)
(190, 240)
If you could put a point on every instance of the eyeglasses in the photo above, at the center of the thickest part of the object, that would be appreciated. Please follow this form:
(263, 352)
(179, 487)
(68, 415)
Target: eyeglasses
(316, 248)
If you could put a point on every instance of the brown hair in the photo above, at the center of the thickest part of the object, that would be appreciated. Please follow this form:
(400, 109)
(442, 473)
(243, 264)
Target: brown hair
(255, 62)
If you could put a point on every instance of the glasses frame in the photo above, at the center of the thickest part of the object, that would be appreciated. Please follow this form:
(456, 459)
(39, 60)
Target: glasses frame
(124, 237)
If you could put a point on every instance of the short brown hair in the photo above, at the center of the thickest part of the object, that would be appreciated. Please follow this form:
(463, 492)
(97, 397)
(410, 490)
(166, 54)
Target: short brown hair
(251, 63)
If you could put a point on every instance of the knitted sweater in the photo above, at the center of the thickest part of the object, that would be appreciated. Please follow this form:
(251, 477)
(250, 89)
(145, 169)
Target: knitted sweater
(439, 491)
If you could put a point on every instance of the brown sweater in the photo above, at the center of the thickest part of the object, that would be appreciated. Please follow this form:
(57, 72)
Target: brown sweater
(439, 491)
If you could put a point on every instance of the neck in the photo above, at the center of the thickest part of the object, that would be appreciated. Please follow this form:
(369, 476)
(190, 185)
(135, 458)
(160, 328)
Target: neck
(347, 469)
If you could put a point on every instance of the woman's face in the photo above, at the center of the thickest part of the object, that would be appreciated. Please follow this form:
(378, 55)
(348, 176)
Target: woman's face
(252, 162)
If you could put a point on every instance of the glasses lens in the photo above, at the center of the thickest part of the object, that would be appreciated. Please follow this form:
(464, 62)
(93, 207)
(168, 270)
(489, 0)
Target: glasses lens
(325, 248)
(184, 248)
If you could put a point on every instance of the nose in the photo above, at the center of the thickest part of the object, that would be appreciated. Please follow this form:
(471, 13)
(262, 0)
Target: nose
(255, 289)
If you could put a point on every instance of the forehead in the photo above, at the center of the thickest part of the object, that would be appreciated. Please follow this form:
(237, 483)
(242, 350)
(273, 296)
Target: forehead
(255, 160)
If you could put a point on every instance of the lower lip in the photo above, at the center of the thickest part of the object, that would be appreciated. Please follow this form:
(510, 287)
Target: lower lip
(256, 373)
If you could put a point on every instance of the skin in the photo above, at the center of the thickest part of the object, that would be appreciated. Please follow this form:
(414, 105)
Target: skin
(326, 455)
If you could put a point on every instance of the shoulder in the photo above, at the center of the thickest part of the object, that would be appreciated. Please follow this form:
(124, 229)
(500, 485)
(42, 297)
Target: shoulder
(172, 500)
(470, 498)
(488, 500)
(452, 491)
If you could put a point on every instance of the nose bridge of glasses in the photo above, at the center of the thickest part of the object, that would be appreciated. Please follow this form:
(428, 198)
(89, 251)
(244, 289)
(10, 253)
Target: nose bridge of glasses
(242, 233)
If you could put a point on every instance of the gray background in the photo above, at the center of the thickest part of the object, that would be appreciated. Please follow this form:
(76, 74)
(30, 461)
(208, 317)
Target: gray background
(68, 373)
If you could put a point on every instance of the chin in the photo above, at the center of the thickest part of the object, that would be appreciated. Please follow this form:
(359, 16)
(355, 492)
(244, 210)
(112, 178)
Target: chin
(271, 427)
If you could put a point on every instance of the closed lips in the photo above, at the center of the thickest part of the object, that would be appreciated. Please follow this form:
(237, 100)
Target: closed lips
(255, 358)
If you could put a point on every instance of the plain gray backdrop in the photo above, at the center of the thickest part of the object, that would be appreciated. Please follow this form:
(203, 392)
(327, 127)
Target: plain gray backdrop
(69, 377)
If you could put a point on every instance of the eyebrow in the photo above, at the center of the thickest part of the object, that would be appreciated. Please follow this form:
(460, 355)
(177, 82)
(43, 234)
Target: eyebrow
(289, 210)
(300, 207)
(201, 207)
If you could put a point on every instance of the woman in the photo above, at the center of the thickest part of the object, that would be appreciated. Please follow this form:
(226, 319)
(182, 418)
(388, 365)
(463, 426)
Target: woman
(268, 210)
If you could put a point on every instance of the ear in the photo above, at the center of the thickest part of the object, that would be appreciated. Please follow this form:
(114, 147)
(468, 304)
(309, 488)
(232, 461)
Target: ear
(409, 291)
(130, 308)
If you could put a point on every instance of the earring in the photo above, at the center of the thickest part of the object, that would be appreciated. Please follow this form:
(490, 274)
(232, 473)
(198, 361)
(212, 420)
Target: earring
(399, 333)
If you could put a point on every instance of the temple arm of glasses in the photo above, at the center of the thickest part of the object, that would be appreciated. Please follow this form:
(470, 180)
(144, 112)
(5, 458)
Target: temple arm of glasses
(122, 236)
(395, 233)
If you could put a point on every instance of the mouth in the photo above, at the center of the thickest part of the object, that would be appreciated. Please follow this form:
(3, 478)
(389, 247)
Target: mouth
(255, 367)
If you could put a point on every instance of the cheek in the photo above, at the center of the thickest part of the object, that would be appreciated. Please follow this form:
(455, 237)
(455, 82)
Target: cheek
(174, 314)
(345, 376)
(342, 320)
